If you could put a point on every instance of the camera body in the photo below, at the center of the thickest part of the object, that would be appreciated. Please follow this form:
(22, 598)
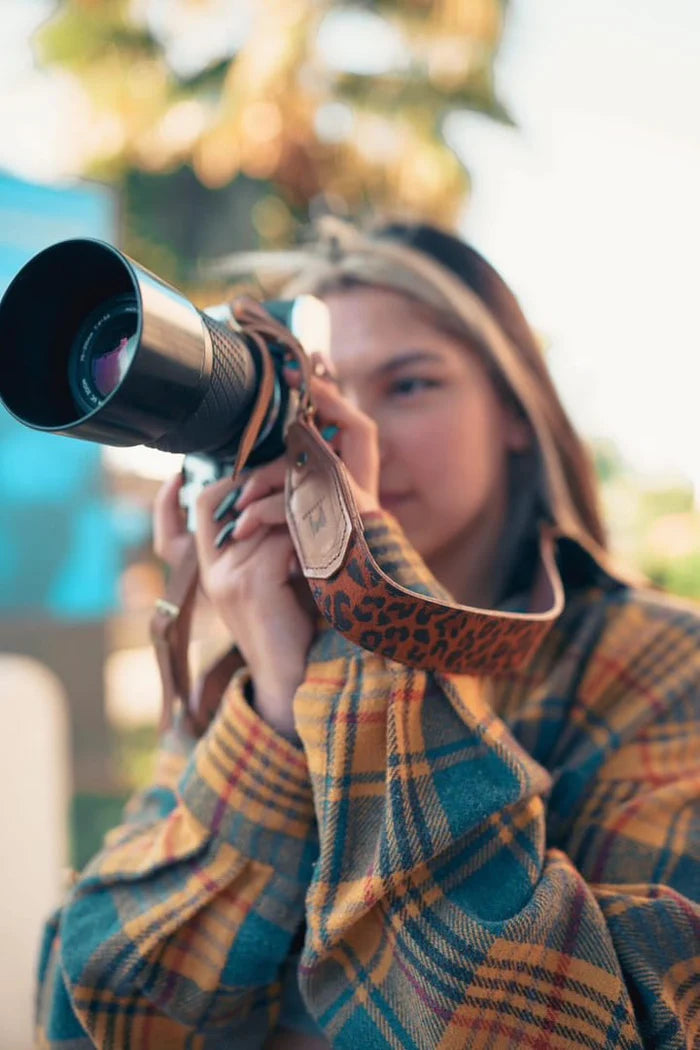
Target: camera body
(307, 319)
(93, 346)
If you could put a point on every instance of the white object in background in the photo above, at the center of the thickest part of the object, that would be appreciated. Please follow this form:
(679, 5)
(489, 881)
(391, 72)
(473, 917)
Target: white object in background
(34, 792)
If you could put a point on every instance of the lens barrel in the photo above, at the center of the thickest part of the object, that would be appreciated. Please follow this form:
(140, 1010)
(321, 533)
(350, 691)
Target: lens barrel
(94, 346)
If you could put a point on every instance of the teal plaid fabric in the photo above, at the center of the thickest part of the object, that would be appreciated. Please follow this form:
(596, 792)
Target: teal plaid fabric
(478, 864)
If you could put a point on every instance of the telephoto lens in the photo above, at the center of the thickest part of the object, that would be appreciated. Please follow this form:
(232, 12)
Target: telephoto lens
(94, 346)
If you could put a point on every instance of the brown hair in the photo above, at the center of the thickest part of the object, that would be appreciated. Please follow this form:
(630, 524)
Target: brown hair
(465, 293)
(478, 274)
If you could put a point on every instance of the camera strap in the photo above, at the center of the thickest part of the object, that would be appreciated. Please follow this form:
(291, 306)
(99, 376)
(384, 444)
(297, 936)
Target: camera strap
(367, 606)
(353, 593)
(170, 633)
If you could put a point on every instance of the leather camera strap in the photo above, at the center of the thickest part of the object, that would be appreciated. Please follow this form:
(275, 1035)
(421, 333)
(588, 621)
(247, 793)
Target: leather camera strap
(351, 590)
(367, 606)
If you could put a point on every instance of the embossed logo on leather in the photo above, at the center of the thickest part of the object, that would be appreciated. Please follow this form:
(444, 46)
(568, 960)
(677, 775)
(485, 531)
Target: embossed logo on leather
(316, 517)
(317, 514)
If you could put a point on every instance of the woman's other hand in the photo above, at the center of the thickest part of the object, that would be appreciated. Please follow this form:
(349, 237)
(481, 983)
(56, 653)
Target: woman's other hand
(250, 573)
(170, 536)
(248, 564)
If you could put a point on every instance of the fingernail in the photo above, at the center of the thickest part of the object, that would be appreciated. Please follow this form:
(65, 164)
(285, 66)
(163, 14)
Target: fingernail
(329, 432)
(293, 366)
(228, 503)
(225, 534)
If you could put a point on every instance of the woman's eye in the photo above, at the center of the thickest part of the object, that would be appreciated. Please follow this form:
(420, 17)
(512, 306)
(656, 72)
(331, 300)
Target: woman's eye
(411, 385)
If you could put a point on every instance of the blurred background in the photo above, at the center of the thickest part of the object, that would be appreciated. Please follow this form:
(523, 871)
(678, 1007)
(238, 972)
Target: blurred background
(560, 136)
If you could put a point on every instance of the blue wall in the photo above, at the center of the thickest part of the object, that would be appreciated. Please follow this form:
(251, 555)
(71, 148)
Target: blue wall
(60, 540)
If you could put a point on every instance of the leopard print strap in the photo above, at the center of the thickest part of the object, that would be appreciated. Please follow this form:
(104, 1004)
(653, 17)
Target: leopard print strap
(376, 612)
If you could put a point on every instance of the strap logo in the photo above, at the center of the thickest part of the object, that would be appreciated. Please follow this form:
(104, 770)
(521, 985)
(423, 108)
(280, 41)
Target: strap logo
(316, 518)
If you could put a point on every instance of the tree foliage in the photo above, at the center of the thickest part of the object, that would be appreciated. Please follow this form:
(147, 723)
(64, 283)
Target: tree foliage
(318, 101)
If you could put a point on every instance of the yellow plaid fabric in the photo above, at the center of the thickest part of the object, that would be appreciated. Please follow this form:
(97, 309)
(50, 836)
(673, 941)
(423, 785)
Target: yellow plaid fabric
(478, 864)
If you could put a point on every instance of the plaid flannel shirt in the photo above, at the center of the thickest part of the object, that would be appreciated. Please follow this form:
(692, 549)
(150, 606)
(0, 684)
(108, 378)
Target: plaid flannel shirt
(478, 863)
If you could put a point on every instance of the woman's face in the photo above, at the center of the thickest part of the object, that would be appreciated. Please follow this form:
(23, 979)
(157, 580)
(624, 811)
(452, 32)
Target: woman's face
(444, 433)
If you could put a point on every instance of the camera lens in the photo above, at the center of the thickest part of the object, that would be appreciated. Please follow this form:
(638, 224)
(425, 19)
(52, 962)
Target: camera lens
(102, 351)
(95, 347)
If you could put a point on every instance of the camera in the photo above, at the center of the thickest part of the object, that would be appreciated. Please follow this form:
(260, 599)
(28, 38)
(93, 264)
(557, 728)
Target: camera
(96, 347)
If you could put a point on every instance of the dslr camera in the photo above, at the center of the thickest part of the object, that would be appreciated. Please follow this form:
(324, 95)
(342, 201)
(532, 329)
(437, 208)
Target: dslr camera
(94, 346)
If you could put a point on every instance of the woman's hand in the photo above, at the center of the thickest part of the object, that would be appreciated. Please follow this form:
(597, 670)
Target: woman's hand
(249, 571)
(170, 536)
(248, 566)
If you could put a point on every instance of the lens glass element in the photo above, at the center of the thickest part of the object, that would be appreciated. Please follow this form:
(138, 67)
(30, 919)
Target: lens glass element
(103, 350)
(109, 368)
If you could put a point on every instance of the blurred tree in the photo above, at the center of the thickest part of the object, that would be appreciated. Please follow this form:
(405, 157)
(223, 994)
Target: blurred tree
(654, 526)
(314, 105)
(609, 463)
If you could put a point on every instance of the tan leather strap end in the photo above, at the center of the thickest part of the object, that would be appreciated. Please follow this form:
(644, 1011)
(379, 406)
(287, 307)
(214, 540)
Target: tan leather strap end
(208, 690)
(170, 633)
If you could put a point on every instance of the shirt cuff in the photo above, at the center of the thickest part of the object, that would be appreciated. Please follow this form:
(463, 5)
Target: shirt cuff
(248, 784)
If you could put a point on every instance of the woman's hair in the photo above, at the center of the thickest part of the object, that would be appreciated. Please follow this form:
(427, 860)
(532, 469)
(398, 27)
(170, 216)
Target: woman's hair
(465, 295)
(478, 275)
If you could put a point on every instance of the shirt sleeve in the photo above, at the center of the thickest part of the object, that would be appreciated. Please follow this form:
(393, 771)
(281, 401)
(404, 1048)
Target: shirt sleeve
(175, 933)
(441, 915)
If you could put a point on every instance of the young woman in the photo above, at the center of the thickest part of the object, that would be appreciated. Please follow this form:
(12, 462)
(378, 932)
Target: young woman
(363, 853)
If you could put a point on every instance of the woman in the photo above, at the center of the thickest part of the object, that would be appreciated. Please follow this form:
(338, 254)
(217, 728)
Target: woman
(468, 861)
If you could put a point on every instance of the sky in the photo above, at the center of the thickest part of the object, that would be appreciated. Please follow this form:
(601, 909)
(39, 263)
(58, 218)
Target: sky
(589, 207)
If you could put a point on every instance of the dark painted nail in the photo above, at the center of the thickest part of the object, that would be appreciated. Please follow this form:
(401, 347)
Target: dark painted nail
(225, 534)
(293, 366)
(228, 503)
(329, 432)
